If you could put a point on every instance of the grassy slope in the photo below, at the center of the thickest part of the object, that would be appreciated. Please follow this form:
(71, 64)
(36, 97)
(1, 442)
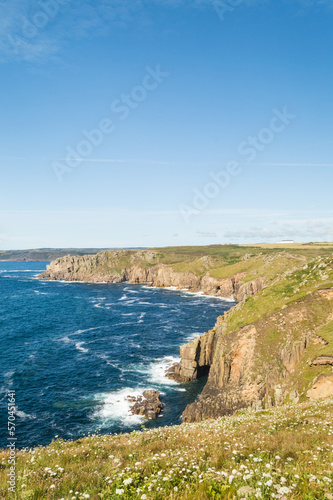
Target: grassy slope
(285, 451)
(293, 287)
(220, 261)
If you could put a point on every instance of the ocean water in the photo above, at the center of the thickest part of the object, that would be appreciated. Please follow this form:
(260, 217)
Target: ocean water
(73, 352)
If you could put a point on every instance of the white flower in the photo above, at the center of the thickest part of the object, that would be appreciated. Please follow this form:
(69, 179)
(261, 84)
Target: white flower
(119, 491)
(128, 481)
(175, 488)
(52, 486)
(283, 490)
(277, 457)
(268, 466)
(143, 497)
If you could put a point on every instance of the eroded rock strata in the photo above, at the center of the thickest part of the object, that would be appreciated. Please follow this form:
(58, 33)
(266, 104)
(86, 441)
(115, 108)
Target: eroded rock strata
(259, 365)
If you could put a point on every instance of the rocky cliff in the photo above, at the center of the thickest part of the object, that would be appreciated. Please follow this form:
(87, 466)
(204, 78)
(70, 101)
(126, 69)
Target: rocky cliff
(284, 355)
(143, 266)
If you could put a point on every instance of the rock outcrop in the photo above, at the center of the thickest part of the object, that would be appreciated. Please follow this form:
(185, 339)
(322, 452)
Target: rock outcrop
(322, 387)
(149, 405)
(196, 358)
(323, 360)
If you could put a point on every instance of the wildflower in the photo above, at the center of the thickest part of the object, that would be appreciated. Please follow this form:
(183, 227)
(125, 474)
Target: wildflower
(128, 481)
(175, 488)
(52, 486)
(143, 497)
(119, 491)
(283, 490)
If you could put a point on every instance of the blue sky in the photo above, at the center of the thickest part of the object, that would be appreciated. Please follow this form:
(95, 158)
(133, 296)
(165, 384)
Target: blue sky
(152, 123)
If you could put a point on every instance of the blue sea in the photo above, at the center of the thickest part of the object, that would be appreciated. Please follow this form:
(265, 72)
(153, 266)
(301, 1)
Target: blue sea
(73, 352)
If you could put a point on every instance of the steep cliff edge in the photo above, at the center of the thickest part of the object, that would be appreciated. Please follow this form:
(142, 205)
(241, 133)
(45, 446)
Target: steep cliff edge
(284, 353)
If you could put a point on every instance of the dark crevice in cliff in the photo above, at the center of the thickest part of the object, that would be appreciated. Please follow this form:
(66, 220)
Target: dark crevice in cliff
(203, 371)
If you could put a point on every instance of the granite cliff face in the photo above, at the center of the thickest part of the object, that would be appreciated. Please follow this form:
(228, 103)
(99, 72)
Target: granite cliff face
(258, 365)
(143, 267)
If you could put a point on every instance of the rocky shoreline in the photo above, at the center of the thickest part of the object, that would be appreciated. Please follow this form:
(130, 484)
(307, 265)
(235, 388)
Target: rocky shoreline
(255, 354)
(98, 269)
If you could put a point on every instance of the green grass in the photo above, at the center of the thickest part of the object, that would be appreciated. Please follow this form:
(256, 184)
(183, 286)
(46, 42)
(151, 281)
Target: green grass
(285, 451)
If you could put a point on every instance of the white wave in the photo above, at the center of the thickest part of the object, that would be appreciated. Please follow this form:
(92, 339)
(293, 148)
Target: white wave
(116, 406)
(156, 371)
(180, 389)
(24, 416)
(128, 314)
(130, 302)
(40, 293)
(79, 347)
(185, 291)
(99, 306)
(124, 297)
(87, 330)
(105, 358)
(142, 315)
(193, 336)
(65, 340)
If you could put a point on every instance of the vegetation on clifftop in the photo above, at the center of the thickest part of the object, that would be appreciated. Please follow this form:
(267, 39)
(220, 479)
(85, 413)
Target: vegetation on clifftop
(284, 453)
